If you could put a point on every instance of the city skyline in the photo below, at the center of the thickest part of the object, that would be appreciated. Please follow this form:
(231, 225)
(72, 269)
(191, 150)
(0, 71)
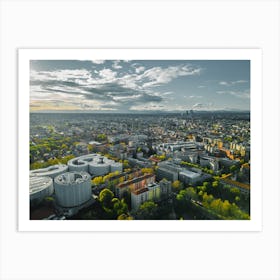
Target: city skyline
(121, 86)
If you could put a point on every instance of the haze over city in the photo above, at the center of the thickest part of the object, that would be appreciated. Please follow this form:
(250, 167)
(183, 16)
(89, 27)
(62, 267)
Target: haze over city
(121, 86)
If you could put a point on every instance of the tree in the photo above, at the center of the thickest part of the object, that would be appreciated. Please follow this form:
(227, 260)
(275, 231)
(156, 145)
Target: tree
(147, 170)
(234, 190)
(207, 199)
(126, 164)
(101, 137)
(216, 205)
(187, 194)
(233, 168)
(124, 217)
(237, 198)
(225, 208)
(119, 206)
(206, 184)
(64, 147)
(53, 161)
(147, 211)
(105, 197)
(191, 193)
(176, 186)
(215, 184)
(65, 159)
(97, 181)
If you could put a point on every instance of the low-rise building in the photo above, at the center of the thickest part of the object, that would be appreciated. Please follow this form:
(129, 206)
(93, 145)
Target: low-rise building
(189, 177)
(134, 184)
(151, 192)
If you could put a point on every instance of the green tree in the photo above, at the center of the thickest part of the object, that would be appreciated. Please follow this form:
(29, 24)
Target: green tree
(101, 137)
(191, 193)
(215, 184)
(119, 206)
(233, 168)
(64, 147)
(234, 190)
(237, 198)
(187, 194)
(147, 211)
(105, 197)
(225, 208)
(124, 217)
(126, 164)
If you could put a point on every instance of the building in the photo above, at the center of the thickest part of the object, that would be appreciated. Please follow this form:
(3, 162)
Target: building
(165, 187)
(168, 170)
(177, 146)
(39, 188)
(151, 192)
(134, 184)
(189, 177)
(138, 197)
(72, 189)
(94, 164)
(51, 171)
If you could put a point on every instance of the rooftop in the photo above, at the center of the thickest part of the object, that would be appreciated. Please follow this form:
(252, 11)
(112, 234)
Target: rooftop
(37, 184)
(72, 178)
(189, 174)
(135, 180)
(139, 191)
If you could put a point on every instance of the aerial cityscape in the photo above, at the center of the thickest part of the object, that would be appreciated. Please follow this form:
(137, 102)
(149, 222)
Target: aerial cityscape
(139, 140)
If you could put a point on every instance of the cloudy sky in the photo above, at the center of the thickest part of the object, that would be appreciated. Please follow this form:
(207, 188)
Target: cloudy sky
(139, 85)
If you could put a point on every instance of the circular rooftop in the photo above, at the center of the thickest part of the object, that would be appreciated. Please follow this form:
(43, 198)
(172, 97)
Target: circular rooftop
(72, 177)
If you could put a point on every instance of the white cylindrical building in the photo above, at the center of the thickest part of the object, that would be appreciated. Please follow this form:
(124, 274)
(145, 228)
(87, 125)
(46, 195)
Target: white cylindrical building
(116, 166)
(72, 189)
(94, 164)
(51, 171)
(39, 188)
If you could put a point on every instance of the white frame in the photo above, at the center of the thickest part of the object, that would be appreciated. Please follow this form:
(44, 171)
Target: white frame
(254, 55)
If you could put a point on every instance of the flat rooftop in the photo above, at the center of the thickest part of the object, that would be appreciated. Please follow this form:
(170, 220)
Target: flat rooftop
(189, 174)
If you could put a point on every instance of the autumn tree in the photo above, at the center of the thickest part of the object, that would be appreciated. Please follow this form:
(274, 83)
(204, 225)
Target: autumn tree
(97, 180)
(177, 186)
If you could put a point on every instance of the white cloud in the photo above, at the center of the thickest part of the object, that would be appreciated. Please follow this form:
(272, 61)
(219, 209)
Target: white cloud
(158, 75)
(240, 82)
(232, 83)
(223, 83)
(107, 74)
(194, 96)
(139, 69)
(60, 75)
(116, 65)
(197, 106)
(239, 94)
(98, 61)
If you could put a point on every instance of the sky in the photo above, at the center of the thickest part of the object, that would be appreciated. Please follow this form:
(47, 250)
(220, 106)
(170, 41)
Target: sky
(135, 86)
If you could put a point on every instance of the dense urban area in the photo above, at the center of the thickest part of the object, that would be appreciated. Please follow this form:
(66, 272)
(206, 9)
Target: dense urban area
(161, 166)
